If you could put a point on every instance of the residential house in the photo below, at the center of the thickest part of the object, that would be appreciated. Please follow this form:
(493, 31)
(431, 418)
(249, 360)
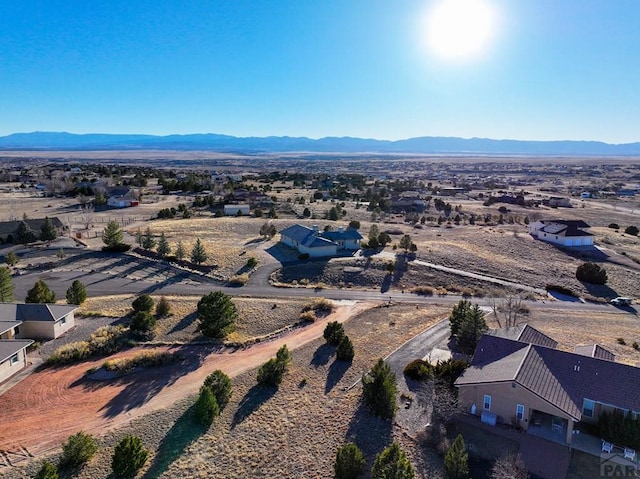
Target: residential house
(36, 320)
(527, 385)
(13, 356)
(235, 210)
(8, 229)
(315, 243)
(122, 197)
(558, 202)
(562, 232)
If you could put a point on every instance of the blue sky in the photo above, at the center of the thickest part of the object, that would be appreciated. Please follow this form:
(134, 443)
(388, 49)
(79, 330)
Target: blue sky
(553, 69)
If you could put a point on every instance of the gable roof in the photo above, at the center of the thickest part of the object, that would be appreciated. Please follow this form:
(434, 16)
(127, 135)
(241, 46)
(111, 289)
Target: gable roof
(594, 351)
(565, 227)
(561, 378)
(10, 227)
(298, 233)
(9, 347)
(34, 311)
(7, 324)
(525, 334)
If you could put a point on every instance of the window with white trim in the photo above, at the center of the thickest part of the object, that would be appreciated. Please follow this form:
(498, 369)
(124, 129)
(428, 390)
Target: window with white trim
(14, 359)
(63, 320)
(588, 408)
(520, 411)
(487, 402)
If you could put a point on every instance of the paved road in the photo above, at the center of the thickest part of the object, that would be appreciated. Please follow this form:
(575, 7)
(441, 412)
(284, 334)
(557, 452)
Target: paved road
(120, 274)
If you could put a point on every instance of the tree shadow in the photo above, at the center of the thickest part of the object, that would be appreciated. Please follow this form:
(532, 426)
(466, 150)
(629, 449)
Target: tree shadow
(336, 371)
(386, 283)
(184, 432)
(251, 402)
(370, 433)
(600, 290)
(184, 322)
(322, 355)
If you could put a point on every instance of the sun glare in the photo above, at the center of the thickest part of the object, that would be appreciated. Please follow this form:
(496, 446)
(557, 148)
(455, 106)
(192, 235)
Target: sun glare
(459, 28)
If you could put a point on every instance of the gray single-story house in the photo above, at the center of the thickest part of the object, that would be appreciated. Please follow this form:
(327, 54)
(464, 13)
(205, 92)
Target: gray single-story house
(318, 244)
(38, 321)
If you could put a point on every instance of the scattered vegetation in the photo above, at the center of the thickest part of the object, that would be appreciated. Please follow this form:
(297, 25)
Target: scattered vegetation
(163, 308)
(379, 388)
(106, 340)
(144, 359)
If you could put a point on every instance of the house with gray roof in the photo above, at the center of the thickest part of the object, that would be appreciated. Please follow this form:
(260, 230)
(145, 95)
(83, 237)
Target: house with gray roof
(9, 229)
(526, 384)
(563, 232)
(37, 320)
(318, 244)
(525, 334)
(13, 352)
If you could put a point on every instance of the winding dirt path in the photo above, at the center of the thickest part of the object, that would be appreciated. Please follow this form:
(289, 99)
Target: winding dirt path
(41, 411)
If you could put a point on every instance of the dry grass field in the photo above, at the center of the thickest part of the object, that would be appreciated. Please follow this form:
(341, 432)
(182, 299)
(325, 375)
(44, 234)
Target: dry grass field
(292, 432)
(257, 316)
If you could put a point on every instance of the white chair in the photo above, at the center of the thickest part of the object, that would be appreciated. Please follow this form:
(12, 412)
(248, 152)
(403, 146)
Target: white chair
(629, 453)
(607, 447)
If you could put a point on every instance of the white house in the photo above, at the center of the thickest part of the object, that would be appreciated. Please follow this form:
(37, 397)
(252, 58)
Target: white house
(13, 356)
(562, 232)
(232, 210)
(37, 321)
(320, 244)
(122, 197)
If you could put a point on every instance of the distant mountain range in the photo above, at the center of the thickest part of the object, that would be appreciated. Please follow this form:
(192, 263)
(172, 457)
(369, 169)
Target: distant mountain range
(275, 144)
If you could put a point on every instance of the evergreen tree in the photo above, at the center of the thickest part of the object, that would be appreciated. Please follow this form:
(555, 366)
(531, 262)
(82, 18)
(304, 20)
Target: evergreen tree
(180, 251)
(220, 385)
(206, 407)
(47, 471)
(163, 246)
(198, 254)
(472, 329)
(77, 293)
(392, 463)
(78, 449)
(143, 303)
(163, 308)
(456, 460)
(11, 258)
(272, 372)
(6, 285)
(333, 332)
(112, 234)
(345, 349)
(406, 243)
(458, 315)
(40, 293)
(129, 456)
(379, 388)
(48, 232)
(374, 233)
(349, 462)
(148, 241)
(216, 314)
(24, 234)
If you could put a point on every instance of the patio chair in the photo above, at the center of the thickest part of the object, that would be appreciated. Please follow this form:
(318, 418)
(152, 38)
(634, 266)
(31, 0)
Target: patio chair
(607, 446)
(629, 453)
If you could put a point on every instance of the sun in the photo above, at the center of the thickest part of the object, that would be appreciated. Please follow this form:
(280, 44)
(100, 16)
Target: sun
(459, 28)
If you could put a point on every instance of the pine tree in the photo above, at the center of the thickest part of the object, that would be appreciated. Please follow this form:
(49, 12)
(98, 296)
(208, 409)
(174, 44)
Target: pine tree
(472, 329)
(48, 232)
(11, 258)
(112, 234)
(40, 293)
(456, 460)
(345, 350)
(349, 462)
(206, 407)
(406, 243)
(24, 234)
(392, 463)
(148, 241)
(6, 285)
(129, 456)
(458, 315)
(163, 246)
(77, 293)
(379, 388)
(198, 254)
(217, 315)
(47, 471)
(180, 251)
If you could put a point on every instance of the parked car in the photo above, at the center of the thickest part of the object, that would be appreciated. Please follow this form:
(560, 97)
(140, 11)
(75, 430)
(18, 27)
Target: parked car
(620, 301)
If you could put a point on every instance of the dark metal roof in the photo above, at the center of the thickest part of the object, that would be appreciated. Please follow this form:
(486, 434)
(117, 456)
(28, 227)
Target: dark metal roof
(349, 233)
(563, 379)
(595, 351)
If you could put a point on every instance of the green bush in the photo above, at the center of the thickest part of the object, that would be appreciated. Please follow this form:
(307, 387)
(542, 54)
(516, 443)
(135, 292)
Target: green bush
(333, 333)
(129, 456)
(220, 385)
(379, 390)
(456, 460)
(144, 302)
(105, 340)
(143, 322)
(206, 407)
(78, 449)
(217, 315)
(272, 372)
(47, 471)
(418, 370)
(349, 462)
(345, 350)
(252, 262)
(614, 226)
(632, 230)
(591, 273)
(392, 463)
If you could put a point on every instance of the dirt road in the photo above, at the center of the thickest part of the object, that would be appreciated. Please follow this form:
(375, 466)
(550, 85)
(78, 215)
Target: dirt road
(39, 413)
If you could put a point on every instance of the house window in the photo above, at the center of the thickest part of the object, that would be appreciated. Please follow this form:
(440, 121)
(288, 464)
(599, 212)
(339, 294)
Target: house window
(16, 330)
(14, 359)
(63, 320)
(588, 407)
(487, 402)
(520, 412)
